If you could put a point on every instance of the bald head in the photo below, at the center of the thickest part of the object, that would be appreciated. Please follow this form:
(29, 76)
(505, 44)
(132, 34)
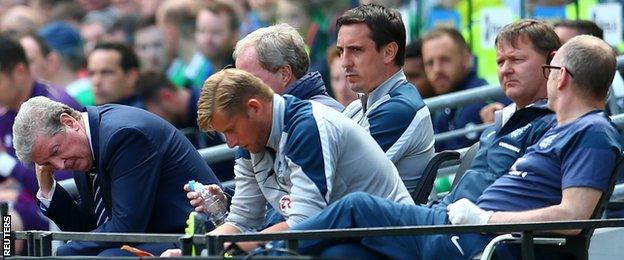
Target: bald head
(592, 62)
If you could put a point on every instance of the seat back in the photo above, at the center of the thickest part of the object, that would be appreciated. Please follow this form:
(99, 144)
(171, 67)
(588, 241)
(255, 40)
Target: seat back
(603, 203)
(466, 162)
(422, 191)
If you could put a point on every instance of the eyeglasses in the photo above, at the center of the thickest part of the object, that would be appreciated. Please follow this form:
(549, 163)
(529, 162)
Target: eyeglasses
(546, 70)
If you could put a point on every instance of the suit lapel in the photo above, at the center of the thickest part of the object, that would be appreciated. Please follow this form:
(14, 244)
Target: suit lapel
(94, 124)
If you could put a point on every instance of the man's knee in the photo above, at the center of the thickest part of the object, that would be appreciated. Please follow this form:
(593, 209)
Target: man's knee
(66, 250)
(354, 198)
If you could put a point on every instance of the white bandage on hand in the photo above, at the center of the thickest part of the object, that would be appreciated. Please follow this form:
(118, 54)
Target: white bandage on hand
(464, 212)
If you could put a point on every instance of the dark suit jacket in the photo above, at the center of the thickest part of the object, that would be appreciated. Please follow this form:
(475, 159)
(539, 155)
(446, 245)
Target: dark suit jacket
(143, 163)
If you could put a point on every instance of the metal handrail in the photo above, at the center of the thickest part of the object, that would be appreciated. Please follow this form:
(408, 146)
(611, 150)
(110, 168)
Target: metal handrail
(215, 242)
(477, 129)
(293, 236)
(39, 243)
(217, 153)
(420, 230)
(618, 120)
(464, 97)
(105, 237)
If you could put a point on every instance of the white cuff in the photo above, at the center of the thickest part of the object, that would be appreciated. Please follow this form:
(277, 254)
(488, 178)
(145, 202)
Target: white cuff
(46, 201)
(7, 163)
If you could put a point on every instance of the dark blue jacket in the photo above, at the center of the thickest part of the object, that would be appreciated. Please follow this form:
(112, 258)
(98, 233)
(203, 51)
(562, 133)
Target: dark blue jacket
(312, 87)
(448, 119)
(143, 163)
(499, 148)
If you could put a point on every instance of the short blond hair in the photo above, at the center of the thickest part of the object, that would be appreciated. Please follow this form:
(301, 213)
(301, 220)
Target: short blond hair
(229, 90)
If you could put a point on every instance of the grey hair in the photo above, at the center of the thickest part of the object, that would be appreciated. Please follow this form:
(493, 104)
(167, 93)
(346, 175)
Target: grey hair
(277, 46)
(37, 116)
(592, 62)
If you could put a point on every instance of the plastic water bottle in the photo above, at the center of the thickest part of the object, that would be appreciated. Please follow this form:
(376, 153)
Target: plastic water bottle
(214, 207)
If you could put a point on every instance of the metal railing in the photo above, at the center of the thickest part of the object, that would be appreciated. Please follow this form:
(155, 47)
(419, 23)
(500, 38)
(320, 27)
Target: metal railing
(527, 229)
(464, 97)
(39, 243)
(217, 153)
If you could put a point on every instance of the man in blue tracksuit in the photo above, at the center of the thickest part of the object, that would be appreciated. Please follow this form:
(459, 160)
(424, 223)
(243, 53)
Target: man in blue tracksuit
(301, 154)
(561, 177)
(276, 54)
(371, 42)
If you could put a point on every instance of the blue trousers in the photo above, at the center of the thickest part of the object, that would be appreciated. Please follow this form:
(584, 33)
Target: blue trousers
(362, 210)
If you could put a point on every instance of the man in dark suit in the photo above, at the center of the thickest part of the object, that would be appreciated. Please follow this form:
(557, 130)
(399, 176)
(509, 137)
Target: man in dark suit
(136, 165)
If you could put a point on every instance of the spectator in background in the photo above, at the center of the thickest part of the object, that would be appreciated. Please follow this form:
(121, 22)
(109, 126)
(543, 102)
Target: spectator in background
(17, 85)
(113, 71)
(151, 46)
(179, 107)
(45, 7)
(176, 105)
(414, 69)
(41, 59)
(295, 13)
(125, 7)
(69, 12)
(262, 13)
(95, 27)
(93, 5)
(177, 18)
(339, 86)
(371, 40)
(21, 20)
(70, 71)
(66, 44)
(123, 29)
(276, 54)
(449, 68)
(148, 8)
(567, 29)
(216, 33)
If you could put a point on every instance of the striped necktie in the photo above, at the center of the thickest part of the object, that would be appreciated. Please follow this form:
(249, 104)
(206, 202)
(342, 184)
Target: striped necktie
(101, 213)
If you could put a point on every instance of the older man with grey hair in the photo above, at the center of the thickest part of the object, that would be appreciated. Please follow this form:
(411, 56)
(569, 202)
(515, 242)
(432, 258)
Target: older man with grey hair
(115, 150)
(276, 54)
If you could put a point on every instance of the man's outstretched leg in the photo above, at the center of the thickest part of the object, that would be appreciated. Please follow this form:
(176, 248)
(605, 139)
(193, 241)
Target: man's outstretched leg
(361, 210)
